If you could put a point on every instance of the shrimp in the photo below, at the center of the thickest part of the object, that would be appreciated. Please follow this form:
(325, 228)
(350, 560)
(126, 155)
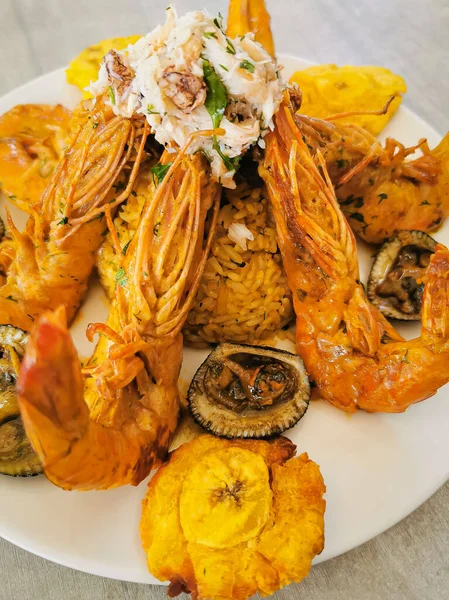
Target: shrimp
(355, 357)
(246, 16)
(381, 192)
(32, 138)
(115, 428)
(50, 262)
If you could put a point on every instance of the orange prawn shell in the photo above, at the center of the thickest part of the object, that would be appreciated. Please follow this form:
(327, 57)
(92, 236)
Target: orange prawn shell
(281, 553)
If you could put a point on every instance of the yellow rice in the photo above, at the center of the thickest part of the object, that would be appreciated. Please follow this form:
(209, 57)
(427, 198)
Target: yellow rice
(243, 295)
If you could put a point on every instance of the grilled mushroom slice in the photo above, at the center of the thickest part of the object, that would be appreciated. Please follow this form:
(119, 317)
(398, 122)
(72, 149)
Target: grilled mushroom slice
(245, 391)
(17, 458)
(398, 267)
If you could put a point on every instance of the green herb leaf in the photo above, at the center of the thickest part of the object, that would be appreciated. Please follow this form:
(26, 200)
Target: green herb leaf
(342, 163)
(224, 68)
(133, 193)
(12, 197)
(156, 229)
(125, 247)
(425, 203)
(382, 197)
(210, 34)
(231, 164)
(11, 298)
(217, 95)
(371, 181)
(111, 95)
(159, 171)
(63, 221)
(218, 21)
(359, 202)
(95, 125)
(229, 46)
(357, 217)
(245, 64)
(151, 111)
(120, 277)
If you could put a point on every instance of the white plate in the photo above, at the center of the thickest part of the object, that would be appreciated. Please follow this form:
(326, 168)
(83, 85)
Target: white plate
(377, 467)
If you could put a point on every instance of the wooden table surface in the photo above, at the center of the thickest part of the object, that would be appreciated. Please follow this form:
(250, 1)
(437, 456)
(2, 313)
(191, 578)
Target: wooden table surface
(411, 560)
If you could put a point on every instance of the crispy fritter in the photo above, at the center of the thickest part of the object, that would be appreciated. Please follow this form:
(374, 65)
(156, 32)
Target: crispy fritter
(228, 518)
(328, 90)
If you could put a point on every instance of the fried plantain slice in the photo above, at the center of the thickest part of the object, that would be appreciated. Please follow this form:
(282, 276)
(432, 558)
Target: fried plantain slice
(229, 518)
(329, 90)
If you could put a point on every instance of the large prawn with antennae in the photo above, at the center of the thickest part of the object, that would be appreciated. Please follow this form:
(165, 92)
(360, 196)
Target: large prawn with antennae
(350, 350)
(49, 264)
(113, 429)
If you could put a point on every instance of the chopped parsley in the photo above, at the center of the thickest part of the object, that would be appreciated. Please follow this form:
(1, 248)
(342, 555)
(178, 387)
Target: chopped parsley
(151, 111)
(230, 47)
(425, 203)
(342, 163)
(224, 68)
(210, 34)
(63, 221)
(120, 277)
(247, 65)
(111, 94)
(218, 21)
(156, 229)
(230, 163)
(125, 247)
(133, 193)
(95, 125)
(11, 298)
(357, 217)
(159, 171)
(382, 197)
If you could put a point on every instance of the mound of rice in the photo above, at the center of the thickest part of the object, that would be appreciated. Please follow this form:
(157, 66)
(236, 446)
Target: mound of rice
(243, 295)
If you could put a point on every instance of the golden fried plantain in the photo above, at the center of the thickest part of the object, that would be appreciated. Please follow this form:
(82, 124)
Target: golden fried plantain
(228, 518)
(329, 90)
(84, 68)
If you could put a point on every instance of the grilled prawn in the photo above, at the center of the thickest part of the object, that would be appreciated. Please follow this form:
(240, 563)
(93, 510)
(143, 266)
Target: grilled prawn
(353, 354)
(113, 429)
(379, 190)
(49, 264)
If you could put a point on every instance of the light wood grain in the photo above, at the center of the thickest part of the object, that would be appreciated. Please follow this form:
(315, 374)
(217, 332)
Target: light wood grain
(411, 560)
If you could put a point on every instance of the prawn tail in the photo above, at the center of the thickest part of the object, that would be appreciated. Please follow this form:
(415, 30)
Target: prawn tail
(435, 306)
(76, 452)
(250, 16)
(50, 389)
